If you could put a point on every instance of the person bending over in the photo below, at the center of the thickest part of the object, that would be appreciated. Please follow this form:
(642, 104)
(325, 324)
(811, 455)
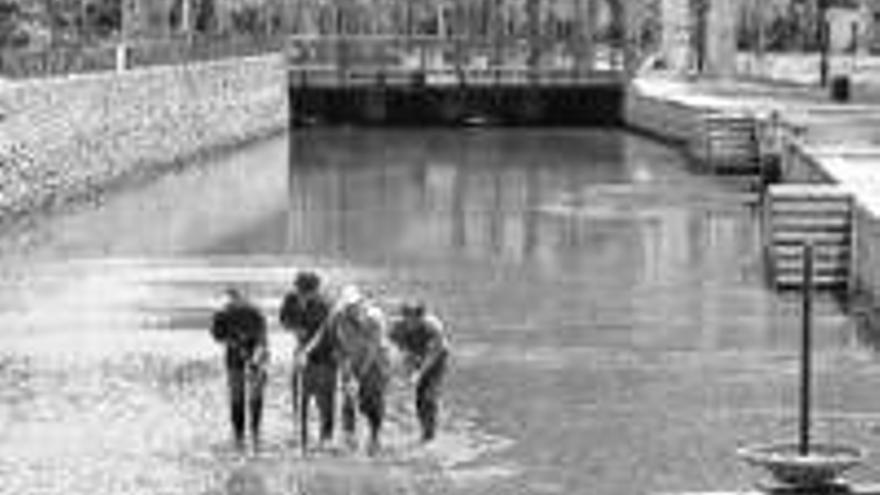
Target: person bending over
(421, 338)
(241, 328)
(305, 312)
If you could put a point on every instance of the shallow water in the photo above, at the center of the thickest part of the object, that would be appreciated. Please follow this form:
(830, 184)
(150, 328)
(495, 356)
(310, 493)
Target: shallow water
(611, 330)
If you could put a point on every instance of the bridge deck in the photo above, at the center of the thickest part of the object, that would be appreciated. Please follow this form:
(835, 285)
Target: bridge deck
(333, 76)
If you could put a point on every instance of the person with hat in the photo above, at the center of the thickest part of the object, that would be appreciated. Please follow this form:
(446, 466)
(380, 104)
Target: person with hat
(421, 338)
(359, 327)
(241, 328)
(305, 312)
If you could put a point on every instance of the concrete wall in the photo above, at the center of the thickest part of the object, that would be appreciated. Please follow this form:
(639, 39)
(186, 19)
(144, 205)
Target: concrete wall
(678, 122)
(665, 118)
(64, 137)
(798, 166)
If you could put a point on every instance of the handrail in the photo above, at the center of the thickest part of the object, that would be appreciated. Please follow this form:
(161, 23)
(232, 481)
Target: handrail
(334, 74)
(427, 50)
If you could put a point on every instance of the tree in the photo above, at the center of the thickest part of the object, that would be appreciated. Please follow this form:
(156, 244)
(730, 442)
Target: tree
(205, 15)
(247, 19)
(104, 17)
(11, 32)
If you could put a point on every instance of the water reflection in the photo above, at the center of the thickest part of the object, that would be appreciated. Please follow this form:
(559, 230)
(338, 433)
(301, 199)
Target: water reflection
(473, 194)
(488, 196)
(618, 217)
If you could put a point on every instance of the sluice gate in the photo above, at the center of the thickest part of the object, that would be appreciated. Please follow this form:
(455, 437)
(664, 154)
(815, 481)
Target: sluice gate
(416, 98)
(453, 80)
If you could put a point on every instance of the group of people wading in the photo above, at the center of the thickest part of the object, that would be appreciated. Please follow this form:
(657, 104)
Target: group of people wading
(341, 340)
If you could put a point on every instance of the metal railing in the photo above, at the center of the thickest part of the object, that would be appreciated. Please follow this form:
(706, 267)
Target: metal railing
(446, 53)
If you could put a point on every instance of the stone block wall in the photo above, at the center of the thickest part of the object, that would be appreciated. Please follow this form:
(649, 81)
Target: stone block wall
(867, 256)
(666, 119)
(64, 137)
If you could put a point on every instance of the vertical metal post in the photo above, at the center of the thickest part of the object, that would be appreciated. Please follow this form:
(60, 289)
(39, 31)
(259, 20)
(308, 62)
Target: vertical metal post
(407, 28)
(806, 348)
(457, 32)
(758, 16)
(823, 39)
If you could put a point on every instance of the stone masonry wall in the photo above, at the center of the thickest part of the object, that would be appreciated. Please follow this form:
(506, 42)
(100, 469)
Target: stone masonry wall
(64, 137)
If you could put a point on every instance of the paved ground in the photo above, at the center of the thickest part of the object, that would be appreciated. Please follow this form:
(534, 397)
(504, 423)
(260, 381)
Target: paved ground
(853, 124)
(611, 329)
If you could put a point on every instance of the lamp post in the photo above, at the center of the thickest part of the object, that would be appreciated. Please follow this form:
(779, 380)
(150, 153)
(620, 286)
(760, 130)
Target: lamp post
(823, 41)
(757, 18)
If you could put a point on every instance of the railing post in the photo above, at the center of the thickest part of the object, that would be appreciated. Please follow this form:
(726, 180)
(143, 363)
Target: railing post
(806, 349)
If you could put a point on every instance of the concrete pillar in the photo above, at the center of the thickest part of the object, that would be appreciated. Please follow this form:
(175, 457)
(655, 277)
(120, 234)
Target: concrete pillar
(720, 44)
(186, 17)
(675, 33)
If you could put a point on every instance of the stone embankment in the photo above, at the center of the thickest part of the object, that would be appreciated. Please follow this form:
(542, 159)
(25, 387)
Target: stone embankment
(835, 144)
(68, 138)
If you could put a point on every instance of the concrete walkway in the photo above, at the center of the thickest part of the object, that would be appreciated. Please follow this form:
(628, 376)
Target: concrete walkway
(844, 138)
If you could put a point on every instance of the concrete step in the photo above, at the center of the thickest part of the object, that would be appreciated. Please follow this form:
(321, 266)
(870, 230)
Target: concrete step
(799, 237)
(820, 207)
(803, 223)
(820, 214)
(821, 282)
(801, 192)
(821, 254)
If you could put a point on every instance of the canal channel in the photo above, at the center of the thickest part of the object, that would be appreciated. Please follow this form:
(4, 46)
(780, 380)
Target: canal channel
(611, 326)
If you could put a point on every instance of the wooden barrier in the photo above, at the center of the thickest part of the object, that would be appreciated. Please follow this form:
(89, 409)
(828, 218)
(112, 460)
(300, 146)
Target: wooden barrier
(819, 213)
(732, 144)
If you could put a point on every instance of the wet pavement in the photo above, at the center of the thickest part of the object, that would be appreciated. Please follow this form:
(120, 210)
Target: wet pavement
(612, 333)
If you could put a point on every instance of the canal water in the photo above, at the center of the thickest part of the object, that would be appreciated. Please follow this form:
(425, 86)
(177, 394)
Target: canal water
(611, 329)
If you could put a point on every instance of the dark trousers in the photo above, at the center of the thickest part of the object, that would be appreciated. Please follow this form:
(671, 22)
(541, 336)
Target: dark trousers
(428, 397)
(318, 381)
(246, 385)
(369, 399)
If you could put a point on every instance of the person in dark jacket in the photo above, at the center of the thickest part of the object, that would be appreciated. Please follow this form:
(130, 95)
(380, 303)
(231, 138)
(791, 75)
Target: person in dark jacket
(421, 338)
(241, 328)
(305, 312)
